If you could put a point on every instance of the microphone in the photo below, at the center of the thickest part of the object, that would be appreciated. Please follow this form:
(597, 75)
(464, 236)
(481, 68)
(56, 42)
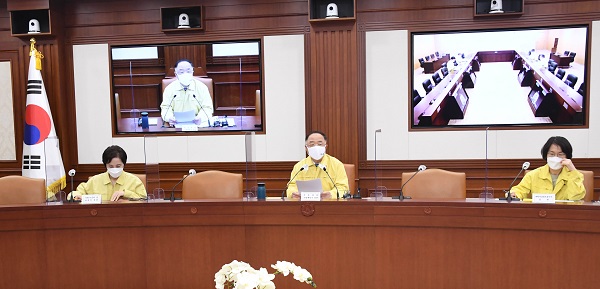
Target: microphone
(376, 131)
(71, 174)
(402, 196)
(202, 108)
(167, 110)
(324, 168)
(304, 167)
(509, 198)
(191, 172)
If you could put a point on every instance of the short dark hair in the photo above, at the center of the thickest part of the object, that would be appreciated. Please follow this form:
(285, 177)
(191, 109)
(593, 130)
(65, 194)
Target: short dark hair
(183, 60)
(560, 141)
(316, 131)
(112, 152)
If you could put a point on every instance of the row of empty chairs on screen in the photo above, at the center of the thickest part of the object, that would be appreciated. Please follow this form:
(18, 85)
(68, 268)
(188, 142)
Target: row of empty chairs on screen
(570, 80)
(570, 54)
(430, 57)
(437, 77)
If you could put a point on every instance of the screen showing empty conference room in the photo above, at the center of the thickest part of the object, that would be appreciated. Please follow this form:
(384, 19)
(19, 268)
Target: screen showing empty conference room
(518, 77)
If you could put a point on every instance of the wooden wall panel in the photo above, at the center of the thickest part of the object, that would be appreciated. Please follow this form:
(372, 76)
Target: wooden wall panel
(332, 97)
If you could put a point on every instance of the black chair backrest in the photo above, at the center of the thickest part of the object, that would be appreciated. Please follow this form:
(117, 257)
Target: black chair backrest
(444, 71)
(569, 83)
(566, 53)
(560, 73)
(581, 89)
(421, 60)
(552, 67)
(427, 58)
(427, 85)
(436, 78)
(572, 78)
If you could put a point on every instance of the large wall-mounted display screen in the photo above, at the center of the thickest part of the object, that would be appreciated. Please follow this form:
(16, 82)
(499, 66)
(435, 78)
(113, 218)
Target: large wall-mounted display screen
(222, 93)
(517, 77)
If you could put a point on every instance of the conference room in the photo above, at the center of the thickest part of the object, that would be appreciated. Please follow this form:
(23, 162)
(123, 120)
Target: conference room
(351, 77)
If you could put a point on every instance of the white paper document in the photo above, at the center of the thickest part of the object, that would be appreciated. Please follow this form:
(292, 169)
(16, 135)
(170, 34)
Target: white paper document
(184, 116)
(310, 186)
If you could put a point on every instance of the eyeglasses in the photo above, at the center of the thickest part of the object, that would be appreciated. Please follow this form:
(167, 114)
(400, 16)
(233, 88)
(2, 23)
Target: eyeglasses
(560, 155)
(309, 145)
(182, 71)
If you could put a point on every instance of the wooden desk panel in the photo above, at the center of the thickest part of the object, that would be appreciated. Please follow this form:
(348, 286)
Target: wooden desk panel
(561, 60)
(434, 65)
(344, 244)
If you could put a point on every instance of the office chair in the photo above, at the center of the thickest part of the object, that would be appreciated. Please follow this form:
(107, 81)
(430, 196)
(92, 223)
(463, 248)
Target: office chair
(415, 97)
(581, 89)
(552, 67)
(427, 85)
(572, 55)
(351, 174)
(22, 190)
(422, 62)
(213, 185)
(566, 53)
(444, 71)
(573, 79)
(436, 78)
(435, 183)
(560, 73)
(588, 183)
(427, 58)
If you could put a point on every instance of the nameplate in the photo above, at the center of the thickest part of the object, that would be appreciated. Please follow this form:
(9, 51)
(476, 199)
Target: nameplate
(91, 199)
(189, 127)
(543, 198)
(310, 196)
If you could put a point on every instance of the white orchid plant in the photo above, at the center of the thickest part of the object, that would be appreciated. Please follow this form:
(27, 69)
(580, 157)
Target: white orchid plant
(240, 275)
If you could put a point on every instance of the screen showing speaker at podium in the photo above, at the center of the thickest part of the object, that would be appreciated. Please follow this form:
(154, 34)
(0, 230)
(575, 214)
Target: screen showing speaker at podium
(231, 72)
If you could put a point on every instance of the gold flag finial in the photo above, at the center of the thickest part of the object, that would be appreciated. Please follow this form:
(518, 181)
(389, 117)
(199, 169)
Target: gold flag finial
(38, 55)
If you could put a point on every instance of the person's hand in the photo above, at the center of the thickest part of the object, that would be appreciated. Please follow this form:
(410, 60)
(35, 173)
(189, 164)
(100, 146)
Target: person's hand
(172, 120)
(75, 195)
(296, 195)
(569, 164)
(116, 195)
(325, 195)
(197, 119)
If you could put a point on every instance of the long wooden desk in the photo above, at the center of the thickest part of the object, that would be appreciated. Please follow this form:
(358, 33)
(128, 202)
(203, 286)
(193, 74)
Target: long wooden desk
(430, 109)
(569, 101)
(561, 60)
(344, 244)
(242, 123)
(433, 65)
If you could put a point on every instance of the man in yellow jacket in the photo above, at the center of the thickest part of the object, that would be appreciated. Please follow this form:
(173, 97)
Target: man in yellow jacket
(559, 176)
(316, 166)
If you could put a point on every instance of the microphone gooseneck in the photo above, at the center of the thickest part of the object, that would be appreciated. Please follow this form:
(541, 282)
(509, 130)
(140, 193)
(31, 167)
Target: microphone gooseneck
(202, 108)
(191, 172)
(324, 168)
(509, 198)
(71, 174)
(402, 197)
(304, 167)
(167, 110)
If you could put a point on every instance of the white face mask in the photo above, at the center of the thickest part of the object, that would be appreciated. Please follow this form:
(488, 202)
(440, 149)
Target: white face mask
(554, 163)
(115, 172)
(316, 152)
(185, 78)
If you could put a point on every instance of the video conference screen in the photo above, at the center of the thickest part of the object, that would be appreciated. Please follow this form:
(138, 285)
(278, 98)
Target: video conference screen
(514, 77)
(222, 94)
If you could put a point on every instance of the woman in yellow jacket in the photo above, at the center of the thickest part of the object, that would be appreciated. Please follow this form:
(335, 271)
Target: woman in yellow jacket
(559, 176)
